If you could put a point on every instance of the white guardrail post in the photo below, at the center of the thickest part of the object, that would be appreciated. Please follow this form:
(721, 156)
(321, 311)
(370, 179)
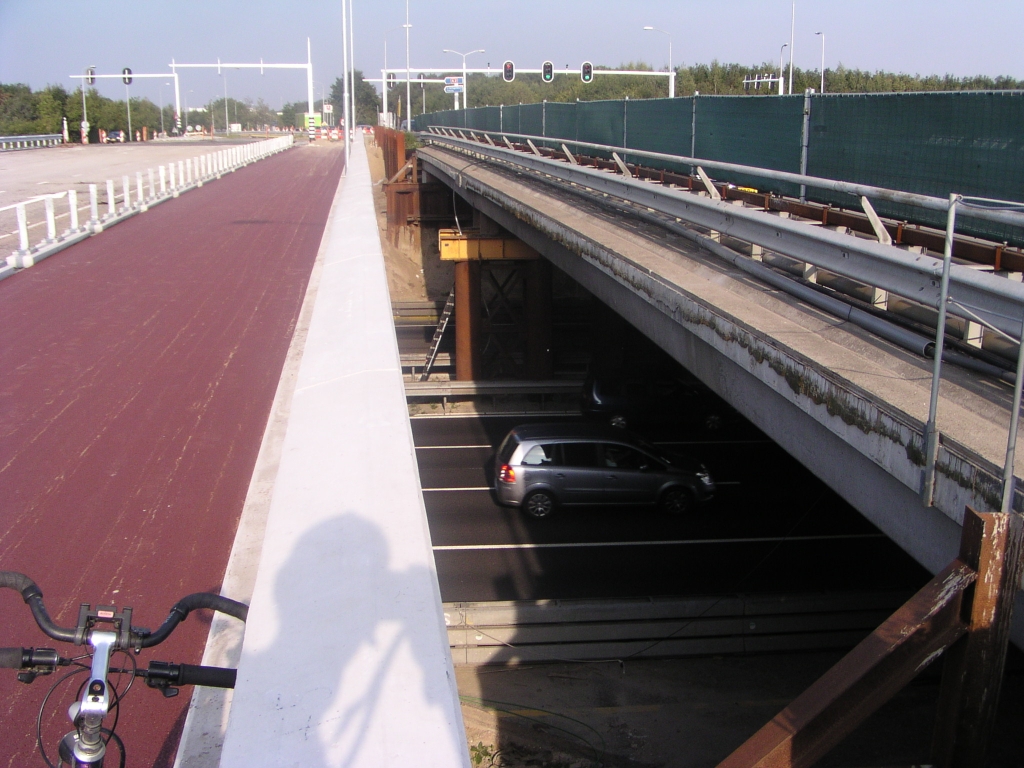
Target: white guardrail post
(111, 199)
(51, 221)
(163, 181)
(94, 207)
(22, 229)
(126, 187)
(140, 196)
(72, 211)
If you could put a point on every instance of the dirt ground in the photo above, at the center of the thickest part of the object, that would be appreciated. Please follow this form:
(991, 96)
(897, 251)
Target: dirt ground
(414, 268)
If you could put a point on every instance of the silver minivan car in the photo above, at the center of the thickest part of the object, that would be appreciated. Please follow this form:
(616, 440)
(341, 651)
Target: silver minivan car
(541, 466)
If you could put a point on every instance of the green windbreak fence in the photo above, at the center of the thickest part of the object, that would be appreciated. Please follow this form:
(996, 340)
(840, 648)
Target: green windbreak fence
(971, 143)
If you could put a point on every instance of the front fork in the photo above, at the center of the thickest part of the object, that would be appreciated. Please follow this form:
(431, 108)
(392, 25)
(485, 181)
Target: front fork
(84, 747)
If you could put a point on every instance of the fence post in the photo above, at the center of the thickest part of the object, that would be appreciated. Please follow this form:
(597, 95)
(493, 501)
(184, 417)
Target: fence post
(22, 229)
(140, 198)
(152, 186)
(172, 181)
(931, 432)
(111, 198)
(163, 180)
(805, 140)
(126, 185)
(693, 129)
(625, 114)
(72, 211)
(51, 222)
(181, 173)
(94, 206)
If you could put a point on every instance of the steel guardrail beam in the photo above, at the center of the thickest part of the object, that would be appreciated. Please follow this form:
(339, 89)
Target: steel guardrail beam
(994, 300)
(1006, 215)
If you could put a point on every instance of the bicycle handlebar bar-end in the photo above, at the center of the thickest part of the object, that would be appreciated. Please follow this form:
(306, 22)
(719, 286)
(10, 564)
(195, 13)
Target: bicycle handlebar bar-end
(12, 658)
(33, 595)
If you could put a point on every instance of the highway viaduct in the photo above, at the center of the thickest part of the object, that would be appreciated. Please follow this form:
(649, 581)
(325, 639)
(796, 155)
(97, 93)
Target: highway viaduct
(848, 405)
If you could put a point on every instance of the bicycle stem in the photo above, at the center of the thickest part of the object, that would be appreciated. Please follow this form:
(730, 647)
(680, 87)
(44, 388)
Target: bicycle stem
(89, 747)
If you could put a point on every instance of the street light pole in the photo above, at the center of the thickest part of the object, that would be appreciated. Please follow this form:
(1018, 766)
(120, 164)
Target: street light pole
(782, 71)
(822, 60)
(225, 76)
(792, 43)
(161, 89)
(465, 78)
(128, 101)
(408, 68)
(672, 72)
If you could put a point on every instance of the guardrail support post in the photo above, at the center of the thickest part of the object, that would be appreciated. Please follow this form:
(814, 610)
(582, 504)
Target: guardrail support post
(111, 198)
(22, 229)
(931, 432)
(51, 221)
(72, 211)
(140, 198)
(173, 182)
(126, 186)
(94, 209)
(181, 173)
(163, 180)
(152, 185)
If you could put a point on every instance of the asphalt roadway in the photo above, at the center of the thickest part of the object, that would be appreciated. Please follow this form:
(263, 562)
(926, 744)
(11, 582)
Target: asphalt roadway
(772, 526)
(136, 374)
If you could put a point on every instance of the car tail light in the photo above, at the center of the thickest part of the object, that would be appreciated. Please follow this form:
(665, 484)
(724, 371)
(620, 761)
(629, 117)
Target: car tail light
(506, 474)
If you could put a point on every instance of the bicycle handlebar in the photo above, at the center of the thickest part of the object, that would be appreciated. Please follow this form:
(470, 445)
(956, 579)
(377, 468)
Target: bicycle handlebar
(11, 658)
(141, 638)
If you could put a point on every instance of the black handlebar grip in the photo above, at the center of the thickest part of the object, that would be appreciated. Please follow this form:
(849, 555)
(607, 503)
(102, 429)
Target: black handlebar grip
(11, 658)
(213, 677)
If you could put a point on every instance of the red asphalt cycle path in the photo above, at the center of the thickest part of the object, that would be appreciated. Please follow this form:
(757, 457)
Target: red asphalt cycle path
(137, 372)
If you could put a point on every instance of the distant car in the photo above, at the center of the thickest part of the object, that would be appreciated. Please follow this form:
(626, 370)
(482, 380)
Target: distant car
(634, 400)
(115, 137)
(541, 466)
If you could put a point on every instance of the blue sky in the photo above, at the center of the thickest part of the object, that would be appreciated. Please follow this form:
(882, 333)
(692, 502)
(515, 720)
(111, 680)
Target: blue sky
(44, 41)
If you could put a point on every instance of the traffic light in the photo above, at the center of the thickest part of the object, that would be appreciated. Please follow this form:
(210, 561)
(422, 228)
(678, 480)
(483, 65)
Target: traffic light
(126, 75)
(547, 72)
(90, 76)
(508, 72)
(587, 72)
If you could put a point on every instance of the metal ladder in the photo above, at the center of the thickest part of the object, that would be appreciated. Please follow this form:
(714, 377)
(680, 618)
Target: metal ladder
(442, 323)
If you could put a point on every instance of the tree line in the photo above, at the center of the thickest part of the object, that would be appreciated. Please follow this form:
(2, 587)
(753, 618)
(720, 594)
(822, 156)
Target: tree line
(23, 111)
(26, 112)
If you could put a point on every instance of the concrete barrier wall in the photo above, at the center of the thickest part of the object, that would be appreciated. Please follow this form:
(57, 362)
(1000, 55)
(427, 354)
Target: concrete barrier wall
(345, 659)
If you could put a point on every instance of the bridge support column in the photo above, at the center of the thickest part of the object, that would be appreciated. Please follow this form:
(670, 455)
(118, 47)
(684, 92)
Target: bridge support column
(539, 360)
(467, 320)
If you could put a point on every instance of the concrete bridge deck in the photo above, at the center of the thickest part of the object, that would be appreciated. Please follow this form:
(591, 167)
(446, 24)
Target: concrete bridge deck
(848, 405)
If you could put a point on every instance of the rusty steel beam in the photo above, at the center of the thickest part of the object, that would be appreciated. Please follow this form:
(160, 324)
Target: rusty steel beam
(973, 672)
(863, 680)
(467, 320)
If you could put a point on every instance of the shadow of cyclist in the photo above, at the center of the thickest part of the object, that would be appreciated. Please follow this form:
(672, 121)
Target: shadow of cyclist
(368, 612)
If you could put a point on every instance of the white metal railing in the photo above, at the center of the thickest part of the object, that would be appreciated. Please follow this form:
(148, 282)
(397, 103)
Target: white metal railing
(119, 199)
(8, 143)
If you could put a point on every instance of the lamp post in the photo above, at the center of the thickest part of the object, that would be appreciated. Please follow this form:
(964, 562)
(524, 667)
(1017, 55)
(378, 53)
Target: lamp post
(672, 76)
(384, 85)
(186, 112)
(465, 79)
(782, 71)
(85, 116)
(792, 42)
(822, 60)
(161, 89)
(225, 76)
(408, 68)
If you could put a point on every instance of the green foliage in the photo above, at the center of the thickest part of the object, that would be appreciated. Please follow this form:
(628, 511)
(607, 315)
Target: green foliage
(709, 79)
(367, 101)
(480, 752)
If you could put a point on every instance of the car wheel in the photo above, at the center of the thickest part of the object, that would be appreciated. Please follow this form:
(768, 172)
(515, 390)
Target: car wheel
(618, 420)
(539, 504)
(677, 501)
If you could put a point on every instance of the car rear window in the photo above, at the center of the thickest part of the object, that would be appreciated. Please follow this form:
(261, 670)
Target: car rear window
(508, 447)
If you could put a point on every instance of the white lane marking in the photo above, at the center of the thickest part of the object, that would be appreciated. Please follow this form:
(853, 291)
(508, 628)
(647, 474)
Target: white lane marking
(458, 447)
(677, 542)
(488, 487)
(713, 442)
(481, 488)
